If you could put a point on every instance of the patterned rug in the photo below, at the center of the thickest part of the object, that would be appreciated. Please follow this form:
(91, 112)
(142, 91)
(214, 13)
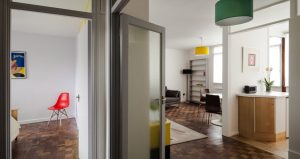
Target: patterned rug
(181, 134)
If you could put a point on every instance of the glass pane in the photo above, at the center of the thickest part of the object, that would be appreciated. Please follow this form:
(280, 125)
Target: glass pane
(218, 70)
(275, 63)
(287, 60)
(77, 5)
(144, 92)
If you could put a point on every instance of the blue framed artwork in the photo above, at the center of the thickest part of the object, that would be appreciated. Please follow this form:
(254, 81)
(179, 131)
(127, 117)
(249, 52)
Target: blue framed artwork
(18, 65)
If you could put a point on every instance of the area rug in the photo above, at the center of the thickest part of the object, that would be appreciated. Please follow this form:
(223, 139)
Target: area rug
(181, 134)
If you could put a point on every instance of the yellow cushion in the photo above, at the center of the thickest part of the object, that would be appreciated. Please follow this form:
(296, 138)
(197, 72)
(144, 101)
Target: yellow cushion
(155, 134)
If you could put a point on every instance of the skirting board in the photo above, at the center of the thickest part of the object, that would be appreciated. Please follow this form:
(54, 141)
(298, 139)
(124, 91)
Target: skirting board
(42, 120)
(294, 155)
(231, 134)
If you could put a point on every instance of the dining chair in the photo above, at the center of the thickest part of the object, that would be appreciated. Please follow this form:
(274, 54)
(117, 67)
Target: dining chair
(60, 106)
(202, 102)
(212, 106)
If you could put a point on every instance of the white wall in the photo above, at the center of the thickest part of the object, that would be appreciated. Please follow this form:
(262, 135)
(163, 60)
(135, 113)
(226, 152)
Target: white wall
(176, 61)
(236, 79)
(138, 9)
(294, 142)
(81, 89)
(50, 71)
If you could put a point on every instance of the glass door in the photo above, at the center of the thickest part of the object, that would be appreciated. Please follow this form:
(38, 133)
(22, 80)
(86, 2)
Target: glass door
(142, 89)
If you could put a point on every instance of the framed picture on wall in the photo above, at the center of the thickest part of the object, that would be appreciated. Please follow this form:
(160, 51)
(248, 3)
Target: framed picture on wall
(250, 60)
(18, 65)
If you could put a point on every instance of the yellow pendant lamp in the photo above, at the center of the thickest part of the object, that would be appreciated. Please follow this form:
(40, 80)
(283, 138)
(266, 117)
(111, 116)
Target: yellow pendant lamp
(201, 50)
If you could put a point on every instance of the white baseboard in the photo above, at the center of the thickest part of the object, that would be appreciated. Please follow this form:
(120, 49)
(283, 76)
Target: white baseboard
(230, 134)
(41, 120)
(294, 154)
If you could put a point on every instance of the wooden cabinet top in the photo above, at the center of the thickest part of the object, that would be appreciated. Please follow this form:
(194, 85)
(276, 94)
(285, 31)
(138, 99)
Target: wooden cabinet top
(265, 94)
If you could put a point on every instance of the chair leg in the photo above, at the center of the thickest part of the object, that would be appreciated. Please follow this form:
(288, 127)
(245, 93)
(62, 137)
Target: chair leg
(66, 113)
(208, 118)
(57, 117)
(203, 115)
(60, 115)
(51, 117)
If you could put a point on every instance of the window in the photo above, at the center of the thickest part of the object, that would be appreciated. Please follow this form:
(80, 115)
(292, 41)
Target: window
(287, 57)
(218, 64)
(275, 60)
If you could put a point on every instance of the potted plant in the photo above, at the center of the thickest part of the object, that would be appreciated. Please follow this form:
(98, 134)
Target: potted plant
(267, 80)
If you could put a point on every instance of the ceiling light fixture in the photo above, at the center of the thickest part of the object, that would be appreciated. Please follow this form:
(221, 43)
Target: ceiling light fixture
(233, 12)
(201, 50)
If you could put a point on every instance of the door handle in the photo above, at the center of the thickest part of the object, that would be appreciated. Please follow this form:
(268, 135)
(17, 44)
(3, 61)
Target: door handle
(163, 99)
(78, 97)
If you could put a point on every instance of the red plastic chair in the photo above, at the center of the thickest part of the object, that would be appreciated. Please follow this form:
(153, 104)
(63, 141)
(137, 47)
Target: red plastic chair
(59, 108)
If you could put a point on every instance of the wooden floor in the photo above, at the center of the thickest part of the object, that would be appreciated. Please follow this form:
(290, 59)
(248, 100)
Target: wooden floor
(215, 146)
(38, 141)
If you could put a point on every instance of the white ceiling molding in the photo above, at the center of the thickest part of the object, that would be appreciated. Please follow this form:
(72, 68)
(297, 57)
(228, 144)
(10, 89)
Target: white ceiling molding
(262, 4)
(266, 16)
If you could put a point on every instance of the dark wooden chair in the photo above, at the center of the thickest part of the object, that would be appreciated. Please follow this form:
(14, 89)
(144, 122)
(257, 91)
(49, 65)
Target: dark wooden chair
(212, 106)
(202, 99)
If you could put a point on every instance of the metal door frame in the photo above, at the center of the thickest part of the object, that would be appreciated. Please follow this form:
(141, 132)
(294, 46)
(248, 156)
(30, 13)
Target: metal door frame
(97, 71)
(125, 21)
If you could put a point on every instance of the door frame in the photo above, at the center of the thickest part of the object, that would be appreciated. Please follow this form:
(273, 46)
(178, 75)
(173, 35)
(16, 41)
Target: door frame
(97, 72)
(115, 108)
(125, 21)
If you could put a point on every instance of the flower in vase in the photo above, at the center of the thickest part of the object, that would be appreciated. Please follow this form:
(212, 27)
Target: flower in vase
(267, 81)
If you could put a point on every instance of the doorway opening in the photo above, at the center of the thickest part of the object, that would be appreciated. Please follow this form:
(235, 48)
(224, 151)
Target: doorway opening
(49, 85)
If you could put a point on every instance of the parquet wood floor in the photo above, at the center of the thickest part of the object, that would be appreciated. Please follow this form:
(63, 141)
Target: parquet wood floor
(38, 141)
(215, 146)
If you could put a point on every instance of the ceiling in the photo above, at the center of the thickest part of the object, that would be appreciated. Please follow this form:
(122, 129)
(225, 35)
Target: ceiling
(277, 29)
(186, 21)
(40, 23)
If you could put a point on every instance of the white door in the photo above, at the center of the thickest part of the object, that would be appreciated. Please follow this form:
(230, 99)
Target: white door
(81, 90)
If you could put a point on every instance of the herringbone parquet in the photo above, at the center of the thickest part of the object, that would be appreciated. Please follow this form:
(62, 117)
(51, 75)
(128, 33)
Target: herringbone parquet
(215, 146)
(38, 141)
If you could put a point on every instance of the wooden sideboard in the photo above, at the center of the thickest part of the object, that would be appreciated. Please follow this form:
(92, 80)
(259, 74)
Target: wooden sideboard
(263, 116)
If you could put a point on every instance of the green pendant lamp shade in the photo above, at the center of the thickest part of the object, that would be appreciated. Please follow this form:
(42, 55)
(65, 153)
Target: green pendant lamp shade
(233, 12)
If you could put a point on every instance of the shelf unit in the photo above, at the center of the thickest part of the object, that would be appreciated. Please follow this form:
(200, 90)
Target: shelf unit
(199, 76)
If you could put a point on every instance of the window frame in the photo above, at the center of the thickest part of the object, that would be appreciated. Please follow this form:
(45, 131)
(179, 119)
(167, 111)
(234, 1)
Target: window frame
(213, 63)
(280, 66)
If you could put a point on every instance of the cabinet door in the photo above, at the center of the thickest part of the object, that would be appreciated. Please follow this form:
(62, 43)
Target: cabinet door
(264, 115)
(246, 116)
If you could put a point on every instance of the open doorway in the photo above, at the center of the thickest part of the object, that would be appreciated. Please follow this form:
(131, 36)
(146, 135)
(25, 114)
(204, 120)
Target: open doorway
(186, 73)
(49, 85)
